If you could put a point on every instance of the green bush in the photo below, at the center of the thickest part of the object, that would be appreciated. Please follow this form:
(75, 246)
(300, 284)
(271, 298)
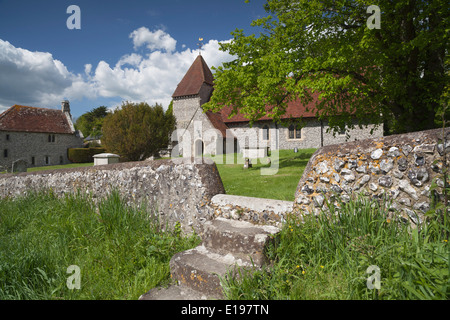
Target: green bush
(83, 155)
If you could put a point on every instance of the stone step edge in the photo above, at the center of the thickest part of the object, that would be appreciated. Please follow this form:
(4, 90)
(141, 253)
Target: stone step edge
(242, 239)
(203, 270)
(174, 292)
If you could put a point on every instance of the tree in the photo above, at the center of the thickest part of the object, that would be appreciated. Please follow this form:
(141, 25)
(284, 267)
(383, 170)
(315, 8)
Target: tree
(91, 122)
(394, 75)
(137, 130)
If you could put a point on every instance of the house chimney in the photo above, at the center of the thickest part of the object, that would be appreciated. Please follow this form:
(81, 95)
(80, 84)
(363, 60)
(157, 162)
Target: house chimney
(65, 106)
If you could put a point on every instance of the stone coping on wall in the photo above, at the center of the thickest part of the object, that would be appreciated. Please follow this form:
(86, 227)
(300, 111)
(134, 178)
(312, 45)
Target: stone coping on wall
(400, 168)
(255, 210)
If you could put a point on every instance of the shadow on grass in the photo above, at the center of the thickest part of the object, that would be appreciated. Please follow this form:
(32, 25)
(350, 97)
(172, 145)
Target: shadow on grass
(296, 160)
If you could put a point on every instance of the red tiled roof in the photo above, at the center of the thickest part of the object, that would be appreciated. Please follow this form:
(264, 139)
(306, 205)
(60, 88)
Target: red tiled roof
(31, 119)
(295, 109)
(217, 122)
(194, 78)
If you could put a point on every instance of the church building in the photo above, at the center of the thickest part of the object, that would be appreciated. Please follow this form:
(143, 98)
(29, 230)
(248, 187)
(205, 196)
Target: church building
(200, 132)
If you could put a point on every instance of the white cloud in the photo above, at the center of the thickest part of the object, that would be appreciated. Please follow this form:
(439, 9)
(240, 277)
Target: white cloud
(37, 79)
(154, 40)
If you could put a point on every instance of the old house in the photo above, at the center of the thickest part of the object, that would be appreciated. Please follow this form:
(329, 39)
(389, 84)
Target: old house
(36, 136)
(206, 132)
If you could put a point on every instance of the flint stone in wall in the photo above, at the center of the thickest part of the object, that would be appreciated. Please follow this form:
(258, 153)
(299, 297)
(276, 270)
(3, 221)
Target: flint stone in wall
(440, 147)
(374, 168)
(321, 188)
(415, 218)
(349, 178)
(385, 181)
(373, 186)
(338, 165)
(402, 164)
(397, 174)
(364, 179)
(407, 149)
(437, 167)
(405, 201)
(352, 164)
(395, 193)
(422, 206)
(324, 179)
(318, 200)
(306, 189)
(361, 169)
(386, 165)
(418, 177)
(335, 188)
(336, 177)
(419, 159)
(375, 155)
(406, 187)
(424, 148)
(322, 168)
(406, 168)
(393, 152)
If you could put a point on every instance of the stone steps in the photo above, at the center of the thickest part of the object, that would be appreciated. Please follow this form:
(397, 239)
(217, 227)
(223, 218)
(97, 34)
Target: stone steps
(226, 245)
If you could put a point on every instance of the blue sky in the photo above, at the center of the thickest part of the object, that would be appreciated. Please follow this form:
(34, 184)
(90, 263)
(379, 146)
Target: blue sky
(130, 50)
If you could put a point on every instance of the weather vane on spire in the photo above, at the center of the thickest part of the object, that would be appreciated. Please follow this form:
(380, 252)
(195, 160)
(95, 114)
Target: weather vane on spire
(200, 45)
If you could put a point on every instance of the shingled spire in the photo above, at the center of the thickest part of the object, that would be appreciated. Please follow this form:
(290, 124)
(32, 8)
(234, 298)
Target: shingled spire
(198, 74)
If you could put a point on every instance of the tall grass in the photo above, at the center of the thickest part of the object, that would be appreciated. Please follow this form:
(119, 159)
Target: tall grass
(120, 252)
(327, 257)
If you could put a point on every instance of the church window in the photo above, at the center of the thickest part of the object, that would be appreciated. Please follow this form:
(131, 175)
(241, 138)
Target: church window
(295, 133)
(5, 153)
(265, 132)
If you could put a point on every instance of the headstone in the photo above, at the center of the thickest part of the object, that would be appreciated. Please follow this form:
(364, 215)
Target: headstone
(247, 164)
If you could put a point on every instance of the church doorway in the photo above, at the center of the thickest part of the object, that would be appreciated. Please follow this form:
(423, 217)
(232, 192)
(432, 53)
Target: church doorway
(199, 148)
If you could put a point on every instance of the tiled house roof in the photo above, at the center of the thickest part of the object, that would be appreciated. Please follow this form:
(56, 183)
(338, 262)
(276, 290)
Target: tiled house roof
(195, 77)
(31, 119)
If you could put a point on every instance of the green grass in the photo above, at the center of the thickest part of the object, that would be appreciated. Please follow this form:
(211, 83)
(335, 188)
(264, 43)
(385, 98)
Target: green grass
(63, 166)
(250, 182)
(120, 252)
(327, 257)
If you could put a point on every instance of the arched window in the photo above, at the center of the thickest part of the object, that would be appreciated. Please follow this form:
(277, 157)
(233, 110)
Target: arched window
(265, 132)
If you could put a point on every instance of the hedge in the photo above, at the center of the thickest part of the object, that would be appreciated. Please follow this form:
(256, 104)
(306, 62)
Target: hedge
(83, 155)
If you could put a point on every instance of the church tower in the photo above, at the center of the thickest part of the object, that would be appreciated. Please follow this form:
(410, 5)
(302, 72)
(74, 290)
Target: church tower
(194, 90)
